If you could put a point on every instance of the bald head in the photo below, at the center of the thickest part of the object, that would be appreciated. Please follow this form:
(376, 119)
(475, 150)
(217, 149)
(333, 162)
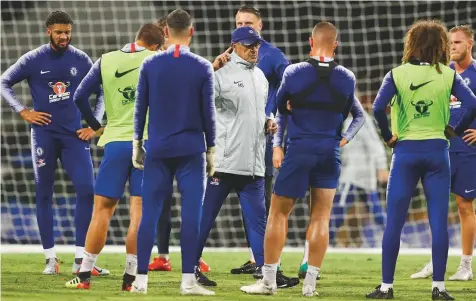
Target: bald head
(324, 33)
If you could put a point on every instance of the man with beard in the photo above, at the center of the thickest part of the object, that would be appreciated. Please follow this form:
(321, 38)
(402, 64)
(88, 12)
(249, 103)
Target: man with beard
(54, 71)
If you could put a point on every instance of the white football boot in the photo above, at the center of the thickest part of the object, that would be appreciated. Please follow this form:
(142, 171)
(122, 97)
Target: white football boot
(426, 272)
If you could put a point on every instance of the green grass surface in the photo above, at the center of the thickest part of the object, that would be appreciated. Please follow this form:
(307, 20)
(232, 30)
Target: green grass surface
(344, 277)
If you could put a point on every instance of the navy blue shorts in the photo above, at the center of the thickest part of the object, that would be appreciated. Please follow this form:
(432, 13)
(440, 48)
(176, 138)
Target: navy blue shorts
(463, 175)
(300, 171)
(116, 169)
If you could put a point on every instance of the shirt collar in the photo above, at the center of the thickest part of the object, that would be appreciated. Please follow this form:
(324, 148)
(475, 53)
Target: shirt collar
(128, 47)
(241, 62)
(324, 59)
(182, 47)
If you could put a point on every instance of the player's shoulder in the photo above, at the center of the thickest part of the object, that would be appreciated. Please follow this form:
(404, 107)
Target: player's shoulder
(269, 50)
(345, 72)
(35, 53)
(297, 69)
(199, 60)
(78, 53)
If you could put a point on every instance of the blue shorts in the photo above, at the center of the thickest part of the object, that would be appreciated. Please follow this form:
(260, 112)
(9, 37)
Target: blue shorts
(300, 171)
(115, 169)
(463, 175)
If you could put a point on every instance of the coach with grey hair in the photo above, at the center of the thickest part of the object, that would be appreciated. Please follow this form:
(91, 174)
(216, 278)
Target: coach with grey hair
(241, 92)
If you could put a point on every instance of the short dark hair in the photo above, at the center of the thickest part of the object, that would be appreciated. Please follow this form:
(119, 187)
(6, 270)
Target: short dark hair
(251, 10)
(58, 17)
(150, 34)
(179, 20)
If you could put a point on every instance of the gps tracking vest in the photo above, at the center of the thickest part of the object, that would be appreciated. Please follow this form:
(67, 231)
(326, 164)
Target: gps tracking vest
(421, 110)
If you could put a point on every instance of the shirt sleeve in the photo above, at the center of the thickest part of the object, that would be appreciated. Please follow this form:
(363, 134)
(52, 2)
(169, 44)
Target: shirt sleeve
(208, 107)
(282, 96)
(358, 119)
(468, 103)
(282, 121)
(13, 75)
(385, 94)
(89, 85)
(278, 64)
(142, 103)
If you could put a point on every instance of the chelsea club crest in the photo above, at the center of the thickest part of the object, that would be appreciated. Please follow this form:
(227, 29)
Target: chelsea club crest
(73, 71)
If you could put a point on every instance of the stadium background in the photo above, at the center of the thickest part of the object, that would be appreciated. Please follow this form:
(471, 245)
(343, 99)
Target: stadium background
(370, 36)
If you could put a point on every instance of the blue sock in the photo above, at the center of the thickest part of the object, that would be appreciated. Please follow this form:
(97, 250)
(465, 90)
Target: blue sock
(79, 166)
(164, 227)
(157, 185)
(252, 202)
(436, 184)
(191, 184)
(215, 194)
(404, 176)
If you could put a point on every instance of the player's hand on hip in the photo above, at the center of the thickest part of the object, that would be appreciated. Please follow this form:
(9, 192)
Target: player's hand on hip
(86, 134)
(34, 117)
(138, 154)
(343, 142)
(222, 59)
(99, 132)
(278, 156)
(271, 126)
(391, 143)
(470, 136)
(210, 157)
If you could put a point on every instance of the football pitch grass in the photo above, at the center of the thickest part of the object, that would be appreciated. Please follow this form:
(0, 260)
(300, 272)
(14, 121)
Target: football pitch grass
(344, 277)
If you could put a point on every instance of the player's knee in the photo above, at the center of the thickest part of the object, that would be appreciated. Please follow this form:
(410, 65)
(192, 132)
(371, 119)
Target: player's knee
(466, 208)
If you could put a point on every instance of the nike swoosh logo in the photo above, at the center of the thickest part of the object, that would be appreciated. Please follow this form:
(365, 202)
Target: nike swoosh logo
(124, 73)
(237, 82)
(468, 191)
(43, 72)
(413, 88)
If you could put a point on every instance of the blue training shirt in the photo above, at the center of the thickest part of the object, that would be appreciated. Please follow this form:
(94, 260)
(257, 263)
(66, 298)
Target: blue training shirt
(316, 131)
(177, 87)
(457, 144)
(273, 62)
(53, 77)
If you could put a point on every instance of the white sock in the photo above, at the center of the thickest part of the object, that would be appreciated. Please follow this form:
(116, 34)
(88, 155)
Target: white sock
(131, 264)
(141, 280)
(164, 256)
(78, 252)
(439, 284)
(252, 257)
(306, 252)
(386, 286)
(269, 274)
(89, 260)
(311, 275)
(50, 253)
(188, 279)
(466, 261)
